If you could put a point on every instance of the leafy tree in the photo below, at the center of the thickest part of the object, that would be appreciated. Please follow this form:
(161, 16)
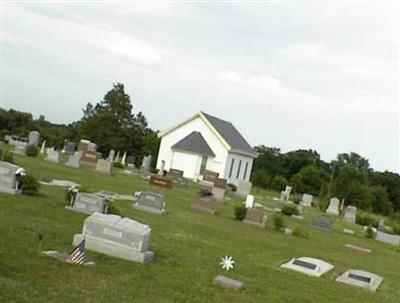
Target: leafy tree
(354, 160)
(278, 183)
(294, 161)
(310, 179)
(380, 202)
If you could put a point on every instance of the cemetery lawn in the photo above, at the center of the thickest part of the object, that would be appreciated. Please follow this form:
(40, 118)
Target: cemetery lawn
(188, 246)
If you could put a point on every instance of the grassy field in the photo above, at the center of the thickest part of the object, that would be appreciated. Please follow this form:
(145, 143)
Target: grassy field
(188, 246)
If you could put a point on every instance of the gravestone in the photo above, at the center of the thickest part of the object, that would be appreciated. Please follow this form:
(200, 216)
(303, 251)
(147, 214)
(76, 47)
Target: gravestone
(123, 160)
(249, 201)
(117, 237)
(130, 161)
(150, 202)
(210, 176)
(104, 166)
(69, 147)
(89, 157)
(34, 137)
(173, 173)
(8, 178)
(111, 155)
(219, 189)
(361, 278)
(350, 214)
(288, 231)
(358, 248)
(20, 148)
(309, 266)
(92, 147)
(146, 163)
(243, 188)
(205, 204)
(285, 195)
(83, 146)
(74, 160)
(43, 147)
(228, 282)
(161, 181)
(322, 224)
(53, 156)
(88, 204)
(255, 217)
(333, 208)
(307, 200)
(387, 238)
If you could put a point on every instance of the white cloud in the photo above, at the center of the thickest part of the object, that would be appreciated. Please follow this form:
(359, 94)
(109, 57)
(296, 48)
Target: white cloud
(260, 82)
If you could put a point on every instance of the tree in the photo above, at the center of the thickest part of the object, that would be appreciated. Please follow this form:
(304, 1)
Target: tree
(354, 160)
(380, 202)
(296, 160)
(310, 179)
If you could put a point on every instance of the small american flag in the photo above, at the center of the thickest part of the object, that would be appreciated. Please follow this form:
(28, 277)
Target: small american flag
(77, 255)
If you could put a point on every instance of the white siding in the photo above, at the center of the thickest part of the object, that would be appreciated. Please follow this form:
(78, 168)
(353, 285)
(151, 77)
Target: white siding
(234, 178)
(189, 163)
(165, 153)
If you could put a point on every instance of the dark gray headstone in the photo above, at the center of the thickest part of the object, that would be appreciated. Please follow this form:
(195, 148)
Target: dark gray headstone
(322, 224)
(150, 202)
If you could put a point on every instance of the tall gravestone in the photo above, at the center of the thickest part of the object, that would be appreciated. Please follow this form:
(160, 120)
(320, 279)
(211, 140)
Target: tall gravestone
(350, 214)
(249, 201)
(104, 166)
(8, 178)
(69, 148)
(117, 237)
(146, 163)
(74, 160)
(285, 195)
(34, 137)
(243, 188)
(111, 155)
(333, 208)
(53, 156)
(130, 161)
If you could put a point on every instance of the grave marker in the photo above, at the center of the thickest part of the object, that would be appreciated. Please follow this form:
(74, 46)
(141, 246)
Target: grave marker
(88, 204)
(333, 208)
(161, 181)
(255, 217)
(8, 178)
(53, 156)
(104, 166)
(361, 278)
(150, 202)
(322, 224)
(243, 188)
(205, 204)
(219, 189)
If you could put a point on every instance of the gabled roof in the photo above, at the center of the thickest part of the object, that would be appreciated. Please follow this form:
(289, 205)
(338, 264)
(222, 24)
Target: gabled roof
(229, 136)
(194, 143)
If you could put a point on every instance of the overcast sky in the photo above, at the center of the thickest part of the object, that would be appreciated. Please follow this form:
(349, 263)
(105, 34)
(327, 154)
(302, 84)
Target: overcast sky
(303, 75)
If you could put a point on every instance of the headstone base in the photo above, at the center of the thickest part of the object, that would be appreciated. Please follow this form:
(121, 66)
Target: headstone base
(148, 209)
(113, 250)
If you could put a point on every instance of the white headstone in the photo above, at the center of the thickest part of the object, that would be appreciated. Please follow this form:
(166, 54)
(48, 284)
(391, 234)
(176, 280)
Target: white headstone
(350, 214)
(53, 156)
(333, 208)
(249, 201)
(74, 159)
(243, 188)
(307, 200)
(34, 137)
(104, 166)
(43, 147)
(123, 160)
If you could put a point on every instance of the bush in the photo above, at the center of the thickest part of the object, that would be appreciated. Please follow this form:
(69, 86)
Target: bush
(396, 229)
(366, 220)
(290, 209)
(113, 209)
(300, 232)
(8, 157)
(118, 165)
(278, 183)
(278, 221)
(32, 150)
(30, 186)
(370, 233)
(240, 212)
(233, 187)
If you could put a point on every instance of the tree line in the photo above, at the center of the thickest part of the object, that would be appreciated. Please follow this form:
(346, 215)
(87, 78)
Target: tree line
(112, 124)
(348, 177)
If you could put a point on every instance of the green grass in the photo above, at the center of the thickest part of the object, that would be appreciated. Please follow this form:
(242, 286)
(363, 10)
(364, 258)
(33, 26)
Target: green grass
(187, 244)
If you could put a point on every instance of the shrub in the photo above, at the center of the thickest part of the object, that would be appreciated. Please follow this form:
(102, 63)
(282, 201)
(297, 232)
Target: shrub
(396, 229)
(290, 209)
(113, 209)
(278, 183)
(8, 157)
(233, 187)
(366, 220)
(300, 232)
(118, 165)
(32, 150)
(29, 185)
(240, 212)
(278, 221)
(370, 233)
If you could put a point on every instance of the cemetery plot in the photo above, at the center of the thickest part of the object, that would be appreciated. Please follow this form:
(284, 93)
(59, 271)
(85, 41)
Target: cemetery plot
(361, 278)
(309, 266)
(161, 181)
(205, 204)
(88, 204)
(322, 224)
(117, 237)
(150, 202)
(255, 217)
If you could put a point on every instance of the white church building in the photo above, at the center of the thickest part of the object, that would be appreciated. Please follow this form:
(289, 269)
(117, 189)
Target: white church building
(206, 142)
